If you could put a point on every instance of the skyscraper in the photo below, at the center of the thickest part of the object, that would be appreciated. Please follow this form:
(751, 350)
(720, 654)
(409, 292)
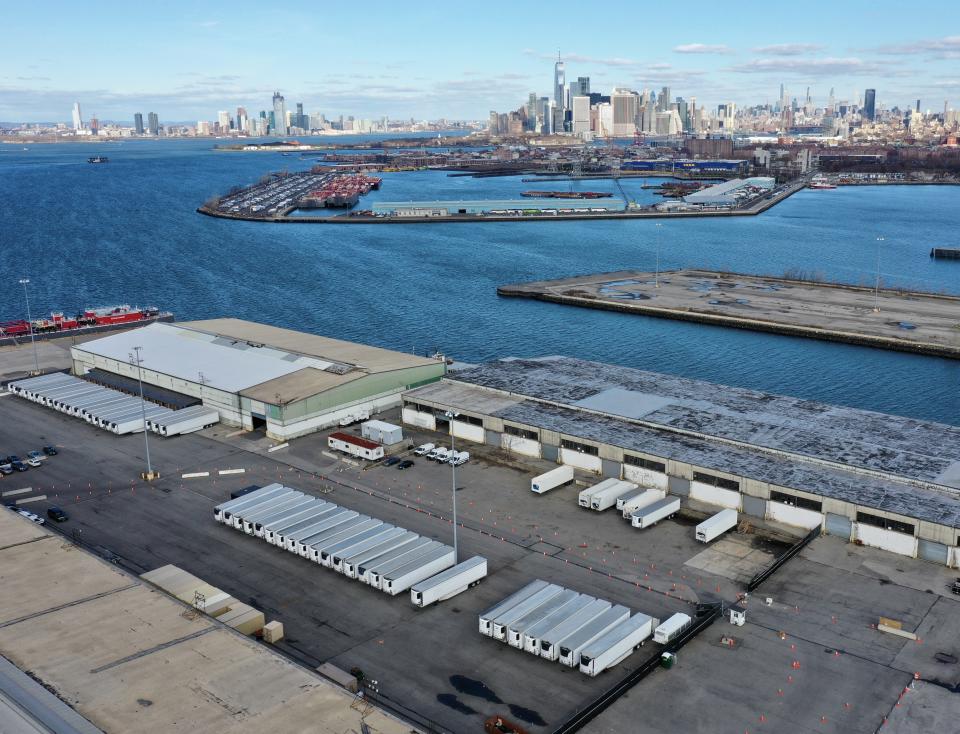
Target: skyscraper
(241, 118)
(77, 120)
(663, 101)
(153, 123)
(870, 104)
(279, 115)
(559, 82)
(581, 87)
(138, 123)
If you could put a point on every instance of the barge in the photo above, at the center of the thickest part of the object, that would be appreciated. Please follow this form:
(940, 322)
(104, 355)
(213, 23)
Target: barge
(88, 321)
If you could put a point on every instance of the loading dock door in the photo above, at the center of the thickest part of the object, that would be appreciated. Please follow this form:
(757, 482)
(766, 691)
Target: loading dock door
(839, 525)
(930, 550)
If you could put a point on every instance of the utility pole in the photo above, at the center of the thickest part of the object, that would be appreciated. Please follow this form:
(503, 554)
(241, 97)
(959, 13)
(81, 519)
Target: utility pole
(33, 342)
(453, 467)
(876, 287)
(149, 474)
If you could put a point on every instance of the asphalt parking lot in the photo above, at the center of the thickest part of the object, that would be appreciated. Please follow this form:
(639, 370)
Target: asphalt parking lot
(848, 677)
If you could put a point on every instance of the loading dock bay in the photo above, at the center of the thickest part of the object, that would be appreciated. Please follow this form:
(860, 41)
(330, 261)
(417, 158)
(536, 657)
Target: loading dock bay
(824, 601)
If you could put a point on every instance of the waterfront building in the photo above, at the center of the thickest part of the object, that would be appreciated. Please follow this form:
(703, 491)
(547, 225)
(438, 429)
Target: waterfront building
(870, 104)
(138, 123)
(279, 126)
(153, 123)
(77, 120)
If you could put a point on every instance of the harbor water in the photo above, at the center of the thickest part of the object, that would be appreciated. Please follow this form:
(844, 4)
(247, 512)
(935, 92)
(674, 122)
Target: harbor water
(127, 232)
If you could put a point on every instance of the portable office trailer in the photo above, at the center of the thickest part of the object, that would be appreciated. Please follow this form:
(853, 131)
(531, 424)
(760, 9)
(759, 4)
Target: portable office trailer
(244, 521)
(550, 641)
(387, 532)
(616, 644)
(531, 638)
(654, 513)
(354, 446)
(290, 515)
(607, 498)
(586, 495)
(487, 617)
(449, 583)
(333, 534)
(321, 551)
(646, 498)
(516, 630)
(423, 567)
(350, 563)
(551, 479)
(328, 554)
(501, 623)
(716, 525)
(275, 534)
(253, 524)
(573, 645)
(671, 628)
(299, 542)
(256, 495)
(375, 574)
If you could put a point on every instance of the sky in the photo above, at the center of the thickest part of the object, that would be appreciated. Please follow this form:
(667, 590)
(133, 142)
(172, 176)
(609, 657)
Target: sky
(426, 60)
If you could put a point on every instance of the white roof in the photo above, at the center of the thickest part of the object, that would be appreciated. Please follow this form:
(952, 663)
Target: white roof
(381, 425)
(226, 364)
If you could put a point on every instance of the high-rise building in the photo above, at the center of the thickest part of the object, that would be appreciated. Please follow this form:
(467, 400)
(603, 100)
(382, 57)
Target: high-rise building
(77, 120)
(581, 114)
(663, 101)
(94, 125)
(153, 123)
(559, 82)
(138, 123)
(870, 104)
(242, 119)
(223, 121)
(279, 115)
(581, 87)
(626, 106)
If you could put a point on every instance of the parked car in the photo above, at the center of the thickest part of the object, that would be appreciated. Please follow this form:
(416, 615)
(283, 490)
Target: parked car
(6, 469)
(33, 518)
(32, 462)
(50, 450)
(439, 454)
(38, 455)
(462, 457)
(18, 465)
(405, 464)
(390, 461)
(57, 515)
(424, 449)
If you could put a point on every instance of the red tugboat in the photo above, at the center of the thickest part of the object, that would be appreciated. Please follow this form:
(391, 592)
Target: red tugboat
(92, 319)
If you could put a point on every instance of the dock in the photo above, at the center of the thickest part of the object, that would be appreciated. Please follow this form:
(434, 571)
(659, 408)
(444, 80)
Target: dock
(907, 321)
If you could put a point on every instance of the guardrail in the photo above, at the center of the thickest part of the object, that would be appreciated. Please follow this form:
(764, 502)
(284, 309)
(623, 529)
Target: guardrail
(766, 573)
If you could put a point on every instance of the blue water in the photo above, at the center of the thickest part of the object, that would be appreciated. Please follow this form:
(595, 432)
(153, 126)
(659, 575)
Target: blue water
(127, 232)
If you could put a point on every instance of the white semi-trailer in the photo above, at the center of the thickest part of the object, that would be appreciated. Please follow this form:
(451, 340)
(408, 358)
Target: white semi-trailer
(628, 497)
(551, 479)
(449, 583)
(342, 522)
(616, 644)
(238, 514)
(430, 564)
(487, 617)
(387, 533)
(375, 576)
(321, 512)
(516, 630)
(366, 523)
(550, 641)
(586, 495)
(221, 513)
(672, 627)
(299, 541)
(393, 559)
(510, 616)
(275, 531)
(253, 519)
(716, 525)
(655, 512)
(185, 420)
(350, 565)
(332, 557)
(571, 647)
(531, 638)
(607, 498)
(260, 527)
(648, 497)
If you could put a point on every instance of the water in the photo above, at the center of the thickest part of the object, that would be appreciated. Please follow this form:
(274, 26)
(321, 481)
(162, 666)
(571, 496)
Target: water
(127, 232)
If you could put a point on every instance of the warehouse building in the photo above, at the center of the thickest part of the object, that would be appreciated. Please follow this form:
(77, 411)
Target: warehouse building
(730, 193)
(881, 480)
(259, 376)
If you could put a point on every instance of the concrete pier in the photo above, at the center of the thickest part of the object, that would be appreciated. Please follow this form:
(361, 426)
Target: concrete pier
(922, 323)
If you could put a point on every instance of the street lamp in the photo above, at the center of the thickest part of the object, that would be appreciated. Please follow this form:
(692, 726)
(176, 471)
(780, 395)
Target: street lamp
(33, 342)
(656, 276)
(136, 359)
(453, 468)
(876, 287)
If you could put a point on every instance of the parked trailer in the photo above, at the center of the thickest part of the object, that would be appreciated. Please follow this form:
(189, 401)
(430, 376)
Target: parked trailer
(253, 522)
(571, 647)
(531, 638)
(277, 535)
(628, 497)
(257, 495)
(186, 420)
(586, 495)
(103, 401)
(271, 506)
(516, 630)
(238, 514)
(551, 479)
(607, 498)
(449, 583)
(354, 446)
(715, 526)
(645, 499)
(654, 513)
(102, 417)
(302, 541)
(328, 555)
(387, 533)
(616, 644)
(501, 623)
(551, 641)
(350, 565)
(25, 387)
(291, 514)
(375, 575)
(348, 529)
(671, 628)
(417, 570)
(132, 423)
(391, 560)
(487, 617)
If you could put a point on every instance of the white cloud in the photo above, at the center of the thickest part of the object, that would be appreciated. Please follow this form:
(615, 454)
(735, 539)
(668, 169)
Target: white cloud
(702, 48)
(938, 48)
(789, 49)
(810, 66)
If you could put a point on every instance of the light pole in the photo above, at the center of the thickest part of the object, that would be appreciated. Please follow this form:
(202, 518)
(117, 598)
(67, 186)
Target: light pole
(33, 342)
(876, 287)
(453, 467)
(656, 276)
(135, 359)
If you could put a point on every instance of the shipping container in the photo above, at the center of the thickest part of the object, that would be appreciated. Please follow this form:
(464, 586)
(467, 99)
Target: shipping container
(607, 498)
(669, 629)
(376, 574)
(616, 644)
(423, 567)
(392, 559)
(502, 622)
(586, 495)
(654, 513)
(550, 641)
(551, 479)
(449, 583)
(716, 525)
(573, 645)
(221, 513)
(531, 638)
(487, 617)
(350, 564)
(646, 498)
(516, 629)
(300, 541)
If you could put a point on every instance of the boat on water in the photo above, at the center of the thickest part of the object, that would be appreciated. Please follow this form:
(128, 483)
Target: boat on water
(58, 324)
(98, 159)
(566, 194)
(822, 185)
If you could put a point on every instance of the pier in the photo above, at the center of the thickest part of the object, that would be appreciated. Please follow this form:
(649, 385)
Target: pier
(921, 323)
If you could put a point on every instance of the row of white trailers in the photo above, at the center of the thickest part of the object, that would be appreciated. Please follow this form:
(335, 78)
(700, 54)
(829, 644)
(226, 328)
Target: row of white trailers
(578, 630)
(389, 558)
(110, 409)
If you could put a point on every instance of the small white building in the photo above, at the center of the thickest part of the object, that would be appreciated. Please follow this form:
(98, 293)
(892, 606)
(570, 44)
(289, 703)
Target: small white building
(381, 432)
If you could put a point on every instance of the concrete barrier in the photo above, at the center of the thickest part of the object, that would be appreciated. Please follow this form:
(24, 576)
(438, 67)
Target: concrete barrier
(11, 492)
(27, 500)
(194, 475)
(278, 446)
(231, 471)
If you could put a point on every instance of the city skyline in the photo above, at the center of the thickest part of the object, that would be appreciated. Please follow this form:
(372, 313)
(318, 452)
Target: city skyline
(743, 59)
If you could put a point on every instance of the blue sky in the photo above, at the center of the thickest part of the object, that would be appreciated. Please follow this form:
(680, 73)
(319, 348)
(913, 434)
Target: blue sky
(186, 60)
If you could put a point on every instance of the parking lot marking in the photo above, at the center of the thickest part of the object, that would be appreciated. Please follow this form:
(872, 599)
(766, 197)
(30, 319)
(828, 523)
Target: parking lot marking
(11, 492)
(194, 475)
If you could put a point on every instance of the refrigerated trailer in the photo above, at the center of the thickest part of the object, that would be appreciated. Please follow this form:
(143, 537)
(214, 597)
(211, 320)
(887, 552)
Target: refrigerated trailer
(487, 617)
(185, 420)
(221, 512)
(376, 553)
(392, 559)
(299, 542)
(320, 552)
(586, 495)
(551, 479)
(628, 497)
(327, 555)
(715, 526)
(278, 533)
(550, 642)
(423, 567)
(616, 644)
(607, 498)
(341, 532)
(375, 575)
(291, 514)
(234, 517)
(671, 628)
(132, 422)
(386, 534)
(573, 645)
(246, 520)
(516, 630)
(531, 638)
(449, 583)
(254, 521)
(501, 623)
(645, 498)
(654, 513)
